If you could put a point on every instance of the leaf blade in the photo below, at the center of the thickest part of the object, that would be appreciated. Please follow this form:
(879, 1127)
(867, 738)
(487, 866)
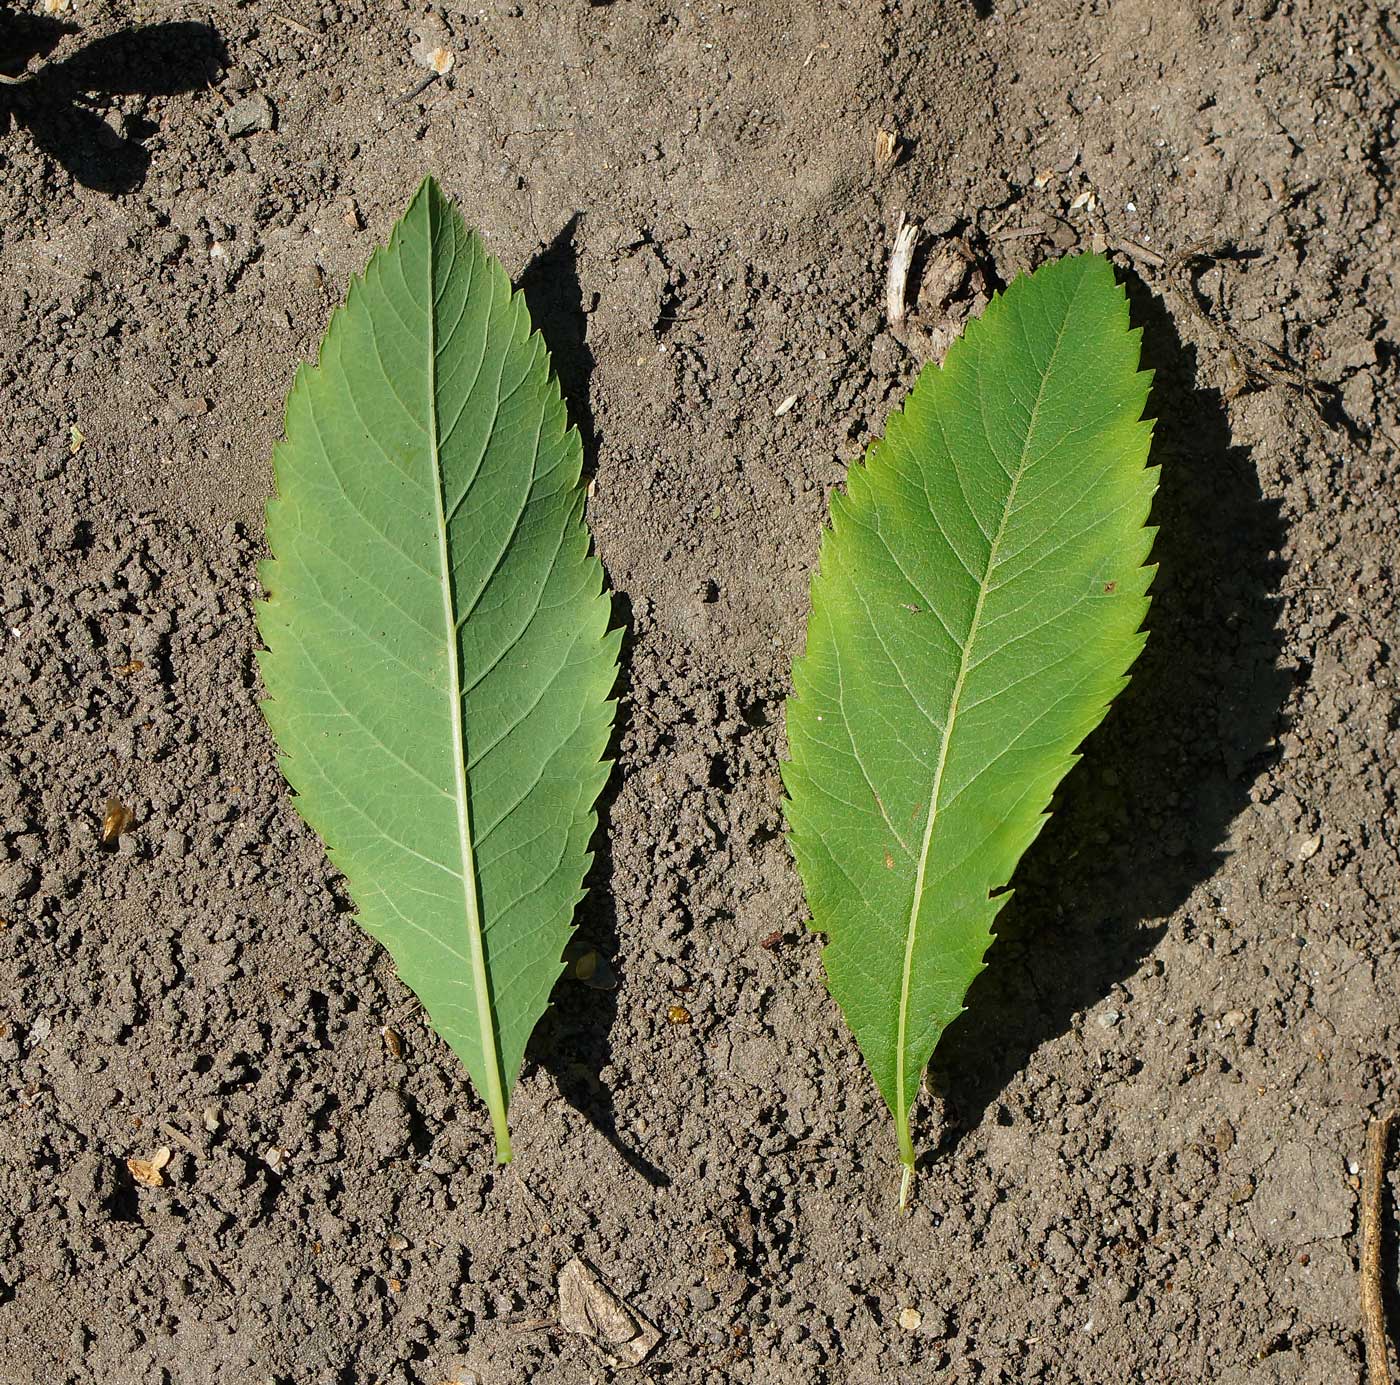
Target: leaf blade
(436, 655)
(925, 741)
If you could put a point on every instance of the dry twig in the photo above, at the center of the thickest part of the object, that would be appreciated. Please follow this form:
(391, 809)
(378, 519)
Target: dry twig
(1372, 1295)
(896, 284)
(1257, 360)
(887, 151)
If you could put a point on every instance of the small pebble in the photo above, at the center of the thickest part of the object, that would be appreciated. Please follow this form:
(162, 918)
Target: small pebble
(910, 1319)
(249, 116)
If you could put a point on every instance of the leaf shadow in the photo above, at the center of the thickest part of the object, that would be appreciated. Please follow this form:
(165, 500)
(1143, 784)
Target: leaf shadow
(1141, 822)
(554, 296)
(574, 1042)
(53, 102)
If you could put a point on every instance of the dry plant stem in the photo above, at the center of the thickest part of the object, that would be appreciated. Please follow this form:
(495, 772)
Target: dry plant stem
(277, 15)
(1372, 1299)
(419, 89)
(895, 284)
(1140, 252)
(293, 24)
(1259, 361)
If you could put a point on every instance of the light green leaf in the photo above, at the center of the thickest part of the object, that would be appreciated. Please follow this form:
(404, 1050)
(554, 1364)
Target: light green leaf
(437, 657)
(979, 600)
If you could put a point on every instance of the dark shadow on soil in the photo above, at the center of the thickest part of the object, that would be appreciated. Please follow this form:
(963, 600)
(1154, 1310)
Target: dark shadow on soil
(25, 37)
(1141, 821)
(59, 102)
(574, 1043)
(555, 298)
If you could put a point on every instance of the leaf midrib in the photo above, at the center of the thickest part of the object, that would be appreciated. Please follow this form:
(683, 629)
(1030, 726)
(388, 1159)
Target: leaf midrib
(476, 944)
(906, 1143)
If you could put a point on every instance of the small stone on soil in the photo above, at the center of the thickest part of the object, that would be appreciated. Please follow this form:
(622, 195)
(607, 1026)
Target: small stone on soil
(249, 116)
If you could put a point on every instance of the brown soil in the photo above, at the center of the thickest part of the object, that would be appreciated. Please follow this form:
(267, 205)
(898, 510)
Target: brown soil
(1149, 1123)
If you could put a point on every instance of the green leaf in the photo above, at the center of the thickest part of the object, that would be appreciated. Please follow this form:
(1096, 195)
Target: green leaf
(979, 600)
(437, 656)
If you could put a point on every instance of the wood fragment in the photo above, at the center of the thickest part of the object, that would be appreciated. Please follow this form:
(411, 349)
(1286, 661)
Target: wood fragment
(292, 24)
(887, 151)
(1372, 1294)
(174, 1133)
(418, 88)
(116, 819)
(147, 1172)
(1139, 252)
(896, 284)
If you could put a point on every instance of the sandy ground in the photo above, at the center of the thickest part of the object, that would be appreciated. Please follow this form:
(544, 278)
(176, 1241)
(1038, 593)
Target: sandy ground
(1148, 1126)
